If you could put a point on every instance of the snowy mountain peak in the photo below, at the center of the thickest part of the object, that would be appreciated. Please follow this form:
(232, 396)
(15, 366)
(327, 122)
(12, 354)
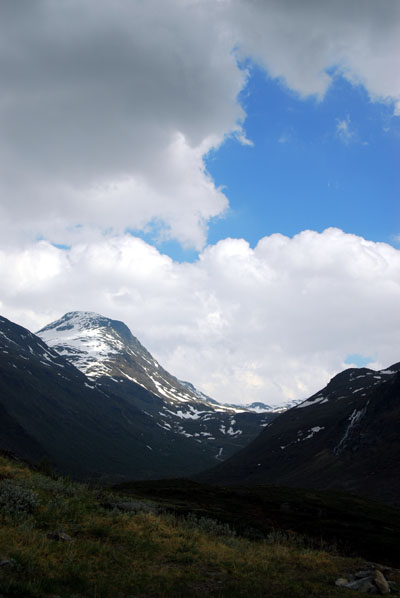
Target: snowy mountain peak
(131, 406)
(100, 346)
(107, 352)
(86, 324)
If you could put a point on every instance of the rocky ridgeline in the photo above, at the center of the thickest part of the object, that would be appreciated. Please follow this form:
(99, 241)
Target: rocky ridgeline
(373, 580)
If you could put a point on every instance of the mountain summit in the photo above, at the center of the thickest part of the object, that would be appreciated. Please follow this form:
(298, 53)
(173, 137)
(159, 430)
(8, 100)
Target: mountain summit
(100, 346)
(106, 351)
(106, 427)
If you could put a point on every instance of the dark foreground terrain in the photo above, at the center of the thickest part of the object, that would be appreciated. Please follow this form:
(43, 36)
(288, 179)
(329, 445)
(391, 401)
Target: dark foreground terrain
(62, 539)
(355, 525)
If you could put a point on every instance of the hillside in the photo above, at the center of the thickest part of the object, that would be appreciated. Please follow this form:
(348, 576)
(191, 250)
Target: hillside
(60, 538)
(51, 410)
(106, 351)
(346, 437)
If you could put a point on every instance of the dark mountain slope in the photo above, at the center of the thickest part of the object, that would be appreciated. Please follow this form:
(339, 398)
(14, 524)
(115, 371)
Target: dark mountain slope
(106, 351)
(346, 437)
(15, 439)
(52, 409)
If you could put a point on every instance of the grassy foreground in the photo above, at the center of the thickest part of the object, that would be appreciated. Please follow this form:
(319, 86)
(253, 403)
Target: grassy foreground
(115, 554)
(357, 526)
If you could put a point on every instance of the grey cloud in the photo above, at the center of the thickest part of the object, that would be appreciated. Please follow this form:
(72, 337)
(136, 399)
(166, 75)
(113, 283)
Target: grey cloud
(298, 41)
(95, 93)
(130, 95)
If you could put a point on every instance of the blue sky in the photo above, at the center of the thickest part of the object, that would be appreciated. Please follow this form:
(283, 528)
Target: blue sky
(301, 173)
(313, 164)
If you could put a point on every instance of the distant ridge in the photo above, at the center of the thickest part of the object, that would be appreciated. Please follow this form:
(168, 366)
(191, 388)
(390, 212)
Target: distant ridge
(346, 436)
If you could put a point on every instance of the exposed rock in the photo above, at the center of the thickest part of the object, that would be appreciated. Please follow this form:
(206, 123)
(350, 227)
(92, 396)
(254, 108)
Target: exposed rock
(368, 581)
(380, 582)
(362, 585)
(362, 574)
(382, 568)
(59, 536)
(367, 587)
(342, 582)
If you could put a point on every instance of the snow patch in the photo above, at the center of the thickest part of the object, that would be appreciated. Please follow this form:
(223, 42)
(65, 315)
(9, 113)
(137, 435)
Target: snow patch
(192, 414)
(218, 455)
(310, 402)
(354, 418)
(313, 431)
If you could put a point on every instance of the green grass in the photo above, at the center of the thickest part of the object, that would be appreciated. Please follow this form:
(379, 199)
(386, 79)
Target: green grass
(357, 526)
(144, 554)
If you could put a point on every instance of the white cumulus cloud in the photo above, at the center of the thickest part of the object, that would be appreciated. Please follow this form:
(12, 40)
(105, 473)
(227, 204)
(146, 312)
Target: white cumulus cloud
(269, 323)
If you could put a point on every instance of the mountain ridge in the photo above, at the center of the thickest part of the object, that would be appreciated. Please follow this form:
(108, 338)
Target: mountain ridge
(106, 350)
(344, 437)
(103, 428)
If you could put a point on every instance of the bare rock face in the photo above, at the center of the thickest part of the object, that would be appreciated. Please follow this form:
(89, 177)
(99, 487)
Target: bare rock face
(368, 581)
(362, 585)
(380, 582)
(341, 582)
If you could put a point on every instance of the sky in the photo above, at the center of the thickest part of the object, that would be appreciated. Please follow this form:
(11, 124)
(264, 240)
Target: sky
(221, 175)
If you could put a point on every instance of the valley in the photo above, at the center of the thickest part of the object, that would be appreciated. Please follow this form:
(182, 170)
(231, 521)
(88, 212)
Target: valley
(315, 482)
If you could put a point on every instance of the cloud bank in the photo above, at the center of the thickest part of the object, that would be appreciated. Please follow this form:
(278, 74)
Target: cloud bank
(270, 323)
(306, 43)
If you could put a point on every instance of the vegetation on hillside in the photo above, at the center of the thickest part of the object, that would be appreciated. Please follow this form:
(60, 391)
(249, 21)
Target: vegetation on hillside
(61, 538)
(356, 525)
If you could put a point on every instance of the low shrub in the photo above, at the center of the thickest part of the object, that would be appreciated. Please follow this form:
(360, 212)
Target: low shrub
(16, 500)
(208, 525)
(299, 541)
